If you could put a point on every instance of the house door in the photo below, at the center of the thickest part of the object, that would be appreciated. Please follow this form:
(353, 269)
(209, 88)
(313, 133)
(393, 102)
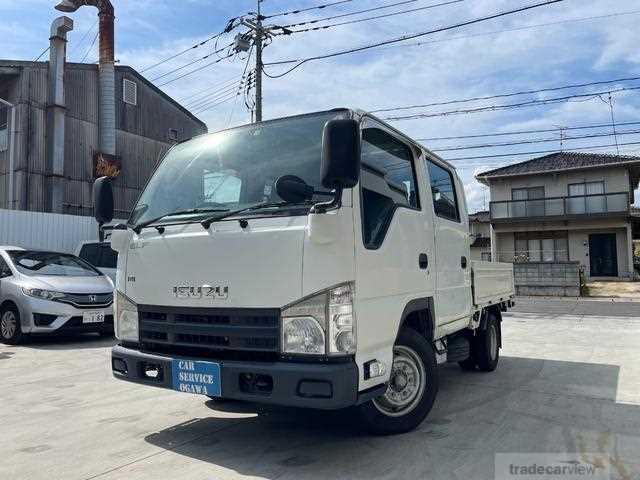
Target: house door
(603, 255)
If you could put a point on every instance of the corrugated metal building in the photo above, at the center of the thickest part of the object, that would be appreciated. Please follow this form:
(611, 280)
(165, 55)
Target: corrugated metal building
(148, 122)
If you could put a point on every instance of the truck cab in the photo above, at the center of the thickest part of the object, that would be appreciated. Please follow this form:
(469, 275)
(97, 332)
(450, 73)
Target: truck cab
(319, 261)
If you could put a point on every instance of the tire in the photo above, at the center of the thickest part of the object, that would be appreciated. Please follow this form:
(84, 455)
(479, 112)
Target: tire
(10, 328)
(486, 345)
(414, 365)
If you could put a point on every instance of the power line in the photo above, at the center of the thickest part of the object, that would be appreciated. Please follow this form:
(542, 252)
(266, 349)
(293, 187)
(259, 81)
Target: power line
(535, 140)
(217, 97)
(410, 36)
(206, 109)
(90, 47)
(166, 74)
(506, 95)
(244, 72)
(493, 108)
(367, 19)
(43, 52)
(524, 132)
(86, 34)
(194, 97)
(502, 155)
(350, 14)
(197, 70)
(230, 26)
(515, 29)
(300, 10)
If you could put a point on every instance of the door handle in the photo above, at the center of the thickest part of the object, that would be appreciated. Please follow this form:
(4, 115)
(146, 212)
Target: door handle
(423, 261)
(463, 262)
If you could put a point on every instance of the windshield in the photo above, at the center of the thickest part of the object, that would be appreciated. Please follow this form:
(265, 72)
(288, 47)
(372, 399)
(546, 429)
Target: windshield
(235, 168)
(51, 263)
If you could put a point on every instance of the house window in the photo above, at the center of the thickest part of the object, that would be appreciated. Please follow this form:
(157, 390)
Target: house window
(528, 202)
(129, 92)
(445, 203)
(589, 198)
(541, 247)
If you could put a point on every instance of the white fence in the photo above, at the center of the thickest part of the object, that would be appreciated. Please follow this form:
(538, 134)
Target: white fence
(45, 231)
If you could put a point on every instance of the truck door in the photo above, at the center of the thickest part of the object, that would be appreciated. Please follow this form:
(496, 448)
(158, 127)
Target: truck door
(452, 251)
(394, 248)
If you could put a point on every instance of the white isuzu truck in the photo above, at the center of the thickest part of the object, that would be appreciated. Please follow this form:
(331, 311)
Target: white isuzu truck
(318, 261)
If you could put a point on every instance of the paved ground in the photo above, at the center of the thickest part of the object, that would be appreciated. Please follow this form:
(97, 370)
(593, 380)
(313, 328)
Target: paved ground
(565, 383)
(614, 289)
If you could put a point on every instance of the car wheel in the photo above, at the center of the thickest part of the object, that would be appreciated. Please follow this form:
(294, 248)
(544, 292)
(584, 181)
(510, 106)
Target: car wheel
(10, 329)
(412, 388)
(486, 347)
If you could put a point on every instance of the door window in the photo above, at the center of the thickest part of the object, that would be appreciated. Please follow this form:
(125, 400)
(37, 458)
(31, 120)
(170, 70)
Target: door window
(445, 203)
(388, 181)
(99, 255)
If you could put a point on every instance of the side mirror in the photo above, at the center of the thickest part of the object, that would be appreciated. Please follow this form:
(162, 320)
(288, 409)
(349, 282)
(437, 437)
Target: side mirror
(340, 166)
(103, 200)
(293, 189)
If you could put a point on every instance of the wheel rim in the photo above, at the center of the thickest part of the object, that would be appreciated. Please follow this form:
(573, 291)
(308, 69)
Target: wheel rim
(493, 342)
(8, 324)
(406, 384)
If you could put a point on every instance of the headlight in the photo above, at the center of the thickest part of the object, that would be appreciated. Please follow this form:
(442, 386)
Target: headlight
(321, 324)
(43, 294)
(126, 318)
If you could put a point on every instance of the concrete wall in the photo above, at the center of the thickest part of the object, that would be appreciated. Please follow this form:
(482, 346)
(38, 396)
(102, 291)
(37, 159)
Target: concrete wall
(557, 184)
(560, 279)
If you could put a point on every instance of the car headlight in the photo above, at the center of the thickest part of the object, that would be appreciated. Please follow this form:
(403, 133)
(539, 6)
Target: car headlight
(126, 318)
(321, 324)
(43, 294)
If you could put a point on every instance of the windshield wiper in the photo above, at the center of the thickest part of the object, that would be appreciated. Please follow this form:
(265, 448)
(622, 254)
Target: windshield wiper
(206, 223)
(138, 228)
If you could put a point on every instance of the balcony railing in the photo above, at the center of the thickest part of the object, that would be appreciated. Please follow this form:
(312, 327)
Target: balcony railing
(600, 203)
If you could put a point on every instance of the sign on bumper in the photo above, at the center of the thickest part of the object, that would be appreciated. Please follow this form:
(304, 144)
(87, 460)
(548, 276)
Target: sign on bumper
(190, 376)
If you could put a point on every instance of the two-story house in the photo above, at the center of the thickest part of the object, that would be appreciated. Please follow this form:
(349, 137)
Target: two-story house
(565, 206)
(480, 231)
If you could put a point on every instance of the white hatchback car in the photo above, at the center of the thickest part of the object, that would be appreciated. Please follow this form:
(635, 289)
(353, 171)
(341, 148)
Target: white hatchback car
(51, 292)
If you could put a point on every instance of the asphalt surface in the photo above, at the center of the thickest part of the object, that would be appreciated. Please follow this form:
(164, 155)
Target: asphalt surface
(567, 382)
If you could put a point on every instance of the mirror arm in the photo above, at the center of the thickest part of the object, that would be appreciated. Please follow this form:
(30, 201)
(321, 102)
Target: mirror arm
(323, 207)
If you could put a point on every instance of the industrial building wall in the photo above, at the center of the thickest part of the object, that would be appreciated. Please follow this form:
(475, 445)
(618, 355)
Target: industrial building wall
(142, 137)
(45, 231)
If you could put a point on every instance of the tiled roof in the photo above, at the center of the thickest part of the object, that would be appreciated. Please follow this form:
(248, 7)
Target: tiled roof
(481, 242)
(479, 216)
(559, 161)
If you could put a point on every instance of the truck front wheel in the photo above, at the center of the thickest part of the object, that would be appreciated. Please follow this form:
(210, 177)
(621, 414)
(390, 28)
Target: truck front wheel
(412, 388)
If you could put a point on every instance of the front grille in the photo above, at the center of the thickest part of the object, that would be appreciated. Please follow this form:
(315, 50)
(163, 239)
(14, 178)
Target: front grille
(223, 333)
(87, 300)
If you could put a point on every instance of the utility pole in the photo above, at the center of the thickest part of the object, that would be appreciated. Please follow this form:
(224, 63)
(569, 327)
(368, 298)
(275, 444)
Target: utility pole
(258, 32)
(259, 35)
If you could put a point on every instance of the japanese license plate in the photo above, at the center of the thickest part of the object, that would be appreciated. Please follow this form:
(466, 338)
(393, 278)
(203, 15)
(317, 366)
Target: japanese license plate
(92, 317)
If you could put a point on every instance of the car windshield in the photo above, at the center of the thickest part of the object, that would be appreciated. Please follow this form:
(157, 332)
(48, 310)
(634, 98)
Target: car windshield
(234, 169)
(35, 263)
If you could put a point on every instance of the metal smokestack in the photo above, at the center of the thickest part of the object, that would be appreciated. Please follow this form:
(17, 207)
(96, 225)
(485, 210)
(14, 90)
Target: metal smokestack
(56, 112)
(107, 97)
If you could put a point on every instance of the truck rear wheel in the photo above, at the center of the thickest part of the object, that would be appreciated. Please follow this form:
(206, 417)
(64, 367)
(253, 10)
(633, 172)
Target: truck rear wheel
(486, 345)
(412, 388)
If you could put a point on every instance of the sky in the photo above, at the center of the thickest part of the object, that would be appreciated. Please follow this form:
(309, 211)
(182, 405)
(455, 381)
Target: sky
(567, 43)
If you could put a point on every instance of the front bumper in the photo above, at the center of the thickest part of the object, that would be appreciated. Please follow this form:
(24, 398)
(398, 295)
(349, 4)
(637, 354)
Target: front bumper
(45, 316)
(322, 386)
